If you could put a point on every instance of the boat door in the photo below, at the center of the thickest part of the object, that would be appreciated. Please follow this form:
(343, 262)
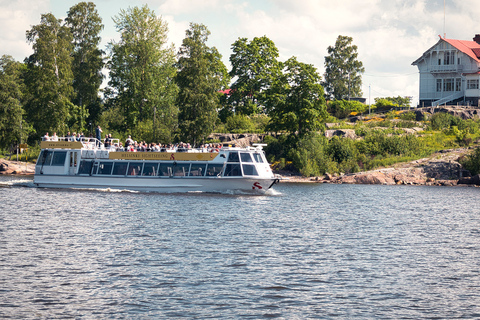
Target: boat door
(73, 162)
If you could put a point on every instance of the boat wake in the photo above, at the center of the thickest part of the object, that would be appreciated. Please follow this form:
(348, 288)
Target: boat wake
(17, 183)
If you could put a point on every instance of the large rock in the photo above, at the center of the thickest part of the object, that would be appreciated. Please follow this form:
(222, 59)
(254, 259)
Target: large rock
(10, 167)
(347, 133)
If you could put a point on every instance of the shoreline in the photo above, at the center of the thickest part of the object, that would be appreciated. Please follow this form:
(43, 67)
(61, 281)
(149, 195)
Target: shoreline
(439, 169)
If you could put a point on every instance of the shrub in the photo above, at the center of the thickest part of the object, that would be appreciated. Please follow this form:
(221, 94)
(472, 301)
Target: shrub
(472, 162)
(239, 123)
(342, 108)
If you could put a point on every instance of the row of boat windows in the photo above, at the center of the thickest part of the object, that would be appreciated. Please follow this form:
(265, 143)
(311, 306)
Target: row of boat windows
(164, 169)
(57, 158)
(51, 158)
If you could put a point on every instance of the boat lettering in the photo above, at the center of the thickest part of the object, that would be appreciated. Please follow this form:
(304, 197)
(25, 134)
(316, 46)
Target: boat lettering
(256, 185)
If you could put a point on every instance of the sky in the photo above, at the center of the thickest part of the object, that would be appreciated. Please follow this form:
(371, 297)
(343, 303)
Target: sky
(389, 34)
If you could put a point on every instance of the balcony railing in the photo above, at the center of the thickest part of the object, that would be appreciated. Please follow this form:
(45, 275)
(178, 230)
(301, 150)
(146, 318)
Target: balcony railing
(446, 68)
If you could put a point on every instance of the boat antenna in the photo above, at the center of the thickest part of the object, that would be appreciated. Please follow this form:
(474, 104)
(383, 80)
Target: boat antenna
(444, 21)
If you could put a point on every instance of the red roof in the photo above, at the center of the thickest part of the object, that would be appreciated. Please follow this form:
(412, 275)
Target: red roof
(470, 48)
(226, 91)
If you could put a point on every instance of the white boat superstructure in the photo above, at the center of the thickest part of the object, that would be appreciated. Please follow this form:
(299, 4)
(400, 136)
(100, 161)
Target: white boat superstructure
(88, 164)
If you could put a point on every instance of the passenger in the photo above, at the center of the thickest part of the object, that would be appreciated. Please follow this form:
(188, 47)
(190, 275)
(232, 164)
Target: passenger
(98, 133)
(73, 137)
(67, 137)
(46, 137)
(54, 137)
(128, 142)
(107, 141)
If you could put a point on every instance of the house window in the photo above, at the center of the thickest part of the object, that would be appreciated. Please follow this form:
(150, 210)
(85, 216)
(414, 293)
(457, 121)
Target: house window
(439, 85)
(446, 58)
(472, 84)
(458, 84)
(448, 84)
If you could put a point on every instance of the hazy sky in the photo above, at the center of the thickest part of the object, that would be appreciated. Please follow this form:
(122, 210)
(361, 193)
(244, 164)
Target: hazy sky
(390, 34)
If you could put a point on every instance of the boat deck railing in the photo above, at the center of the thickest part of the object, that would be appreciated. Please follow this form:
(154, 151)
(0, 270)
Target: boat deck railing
(115, 145)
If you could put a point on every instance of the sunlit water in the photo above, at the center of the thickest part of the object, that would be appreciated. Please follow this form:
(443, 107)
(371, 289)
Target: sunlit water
(310, 251)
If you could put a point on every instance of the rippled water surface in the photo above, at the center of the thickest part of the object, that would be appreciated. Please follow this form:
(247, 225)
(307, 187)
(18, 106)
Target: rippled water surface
(310, 251)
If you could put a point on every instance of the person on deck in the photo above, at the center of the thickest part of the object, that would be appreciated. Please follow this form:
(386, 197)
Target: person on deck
(98, 133)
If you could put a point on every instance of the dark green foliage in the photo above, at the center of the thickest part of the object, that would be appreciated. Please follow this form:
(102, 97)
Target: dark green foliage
(311, 156)
(85, 25)
(295, 101)
(255, 67)
(201, 74)
(343, 71)
(49, 76)
(441, 120)
(342, 108)
(11, 112)
(239, 123)
(472, 162)
(142, 72)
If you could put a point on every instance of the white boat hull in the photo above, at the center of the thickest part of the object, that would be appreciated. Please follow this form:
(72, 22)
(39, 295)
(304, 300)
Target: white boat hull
(157, 184)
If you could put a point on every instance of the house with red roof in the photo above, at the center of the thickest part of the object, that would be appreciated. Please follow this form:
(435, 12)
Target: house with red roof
(450, 73)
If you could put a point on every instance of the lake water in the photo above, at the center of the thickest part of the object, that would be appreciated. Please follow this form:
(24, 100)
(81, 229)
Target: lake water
(307, 251)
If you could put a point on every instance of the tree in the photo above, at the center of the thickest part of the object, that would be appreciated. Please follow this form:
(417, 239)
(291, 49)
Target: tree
(85, 25)
(296, 101)
(49, 76)
(201, 75)
(255, 66)
(11, 111)
(142, 70)
(343, 71)
(402, 102)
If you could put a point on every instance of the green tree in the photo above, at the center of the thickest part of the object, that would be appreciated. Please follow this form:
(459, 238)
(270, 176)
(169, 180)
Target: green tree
(255, 67)
(311, 157)
(11, 112)
(296, 101)
(343, 70)
(142, 70)
(49, 76)
(85, 25)
(201, 74)
(342, 108)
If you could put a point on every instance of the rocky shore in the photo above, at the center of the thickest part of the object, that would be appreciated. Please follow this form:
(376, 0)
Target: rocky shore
(440, 169)
(16, 167)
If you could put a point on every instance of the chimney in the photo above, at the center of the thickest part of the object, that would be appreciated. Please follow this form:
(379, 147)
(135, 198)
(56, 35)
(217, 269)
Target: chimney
(477, 38)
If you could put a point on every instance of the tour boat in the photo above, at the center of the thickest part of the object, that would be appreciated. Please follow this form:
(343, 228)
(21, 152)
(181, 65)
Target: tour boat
(89, 164)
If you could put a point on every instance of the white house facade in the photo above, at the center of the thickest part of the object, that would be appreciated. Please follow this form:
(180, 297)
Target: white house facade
(450, 73)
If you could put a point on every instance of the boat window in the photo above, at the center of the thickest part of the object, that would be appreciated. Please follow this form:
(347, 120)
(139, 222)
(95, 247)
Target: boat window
(245, 156)
(232, 169)
(95, 167)
(105, 168)
(58, 158)
(197, 170)
(249, 170)
(85, 167)
(181, 170)
(120, 168)
(258, 157)
(134, 168)
(214, 169)
(150, 169)
(46, 157)
(165, 170)
(233, 157)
